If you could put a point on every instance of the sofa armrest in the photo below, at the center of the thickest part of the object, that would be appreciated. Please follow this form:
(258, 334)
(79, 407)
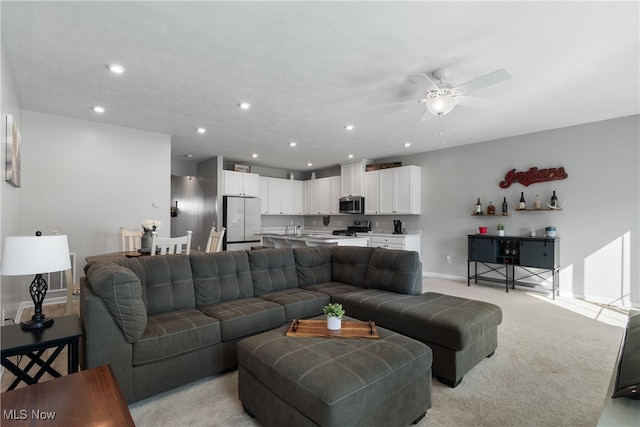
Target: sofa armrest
(103, 342)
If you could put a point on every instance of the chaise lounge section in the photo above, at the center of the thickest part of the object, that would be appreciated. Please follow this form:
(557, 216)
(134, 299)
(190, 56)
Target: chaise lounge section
(162, 322)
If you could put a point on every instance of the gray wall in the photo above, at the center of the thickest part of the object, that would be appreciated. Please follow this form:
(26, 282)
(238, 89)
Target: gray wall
(599, 226)
(10, 197)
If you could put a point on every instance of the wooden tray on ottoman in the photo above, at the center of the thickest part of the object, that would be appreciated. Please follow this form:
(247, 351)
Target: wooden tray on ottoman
(318, 328)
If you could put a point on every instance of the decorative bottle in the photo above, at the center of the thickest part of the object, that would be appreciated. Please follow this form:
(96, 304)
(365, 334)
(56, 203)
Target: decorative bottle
(522, 205)
(478, 208)
(505, 207)
(537, 203)
(491, 210)
(554, 200)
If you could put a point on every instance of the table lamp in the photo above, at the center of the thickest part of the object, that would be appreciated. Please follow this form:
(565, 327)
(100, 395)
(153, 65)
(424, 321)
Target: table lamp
(37, 254)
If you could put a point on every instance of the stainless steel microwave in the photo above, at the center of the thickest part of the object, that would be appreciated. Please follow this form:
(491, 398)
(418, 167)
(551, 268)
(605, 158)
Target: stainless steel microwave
(352, 205)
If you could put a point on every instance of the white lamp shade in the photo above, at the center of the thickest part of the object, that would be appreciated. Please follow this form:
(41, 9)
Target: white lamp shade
(24, 255)
(441, 104)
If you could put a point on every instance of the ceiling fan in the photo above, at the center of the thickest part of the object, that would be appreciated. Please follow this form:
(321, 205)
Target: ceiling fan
(441, 98)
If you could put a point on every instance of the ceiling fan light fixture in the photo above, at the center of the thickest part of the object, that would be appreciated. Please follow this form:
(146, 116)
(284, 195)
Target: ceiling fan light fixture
(439, 105)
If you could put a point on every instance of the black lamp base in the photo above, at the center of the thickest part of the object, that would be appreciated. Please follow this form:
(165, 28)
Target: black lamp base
(32, 324)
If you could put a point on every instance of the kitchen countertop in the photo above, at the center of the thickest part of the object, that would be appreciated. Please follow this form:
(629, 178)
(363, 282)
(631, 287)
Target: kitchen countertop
(312, 237)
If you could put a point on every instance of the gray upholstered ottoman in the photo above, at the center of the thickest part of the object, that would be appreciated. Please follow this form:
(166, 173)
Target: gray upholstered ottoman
(290, 381)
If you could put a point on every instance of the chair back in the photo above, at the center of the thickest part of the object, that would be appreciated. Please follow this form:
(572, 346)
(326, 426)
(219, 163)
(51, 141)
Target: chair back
(130, 240)
(171, 245)
(214, 244)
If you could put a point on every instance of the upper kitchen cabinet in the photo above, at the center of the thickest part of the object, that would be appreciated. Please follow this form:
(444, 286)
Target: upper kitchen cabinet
(281, 196)
(322, 196)
(352, 175)
(241, 184)
(393, 191)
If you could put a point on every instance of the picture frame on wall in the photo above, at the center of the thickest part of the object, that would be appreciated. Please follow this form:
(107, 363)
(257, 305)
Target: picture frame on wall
(12, 144)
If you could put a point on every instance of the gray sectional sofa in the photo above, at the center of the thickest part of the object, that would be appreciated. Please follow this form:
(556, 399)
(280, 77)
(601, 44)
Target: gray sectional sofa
(165, 321)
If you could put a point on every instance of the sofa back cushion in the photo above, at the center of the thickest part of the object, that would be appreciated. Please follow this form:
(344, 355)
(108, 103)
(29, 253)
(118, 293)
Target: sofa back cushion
(167, 281)
(272, 270)
(121, 293)
(349, 264)
(221, 276)
(395, 271)
(313, 265)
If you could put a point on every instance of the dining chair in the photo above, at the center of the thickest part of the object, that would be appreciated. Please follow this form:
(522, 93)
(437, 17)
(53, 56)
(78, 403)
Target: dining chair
(214, 244)
(171, 245)
(130, 240)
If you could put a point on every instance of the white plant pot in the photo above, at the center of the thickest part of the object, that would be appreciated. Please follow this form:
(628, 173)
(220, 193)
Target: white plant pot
(500, 232)
(334, 323)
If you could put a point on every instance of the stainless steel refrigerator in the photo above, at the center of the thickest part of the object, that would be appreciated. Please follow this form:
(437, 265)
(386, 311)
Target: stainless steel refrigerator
(241, 218)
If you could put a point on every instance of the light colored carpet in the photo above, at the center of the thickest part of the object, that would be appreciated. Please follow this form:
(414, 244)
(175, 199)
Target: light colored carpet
(552, 368)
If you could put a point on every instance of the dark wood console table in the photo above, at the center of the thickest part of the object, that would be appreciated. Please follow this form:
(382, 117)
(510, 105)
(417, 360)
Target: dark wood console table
(529, 254)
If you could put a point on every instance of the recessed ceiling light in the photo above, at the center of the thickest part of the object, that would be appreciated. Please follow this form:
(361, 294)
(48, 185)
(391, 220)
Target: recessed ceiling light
(309, 164)
(201, 130)
(99, 109)
(407, 144)
(254, 155)
(349, 127)
(293, 144)
(350, 156)
(116, 68)
(188, 156)
(244, 105)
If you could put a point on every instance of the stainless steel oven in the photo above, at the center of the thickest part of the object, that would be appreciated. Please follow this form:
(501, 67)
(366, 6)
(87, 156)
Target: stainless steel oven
(352, 205)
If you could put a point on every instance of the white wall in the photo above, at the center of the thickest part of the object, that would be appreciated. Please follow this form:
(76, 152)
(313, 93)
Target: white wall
(599, 226)
(87, 179)
(10, 197)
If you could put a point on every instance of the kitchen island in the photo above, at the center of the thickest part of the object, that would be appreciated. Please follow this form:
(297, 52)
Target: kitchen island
(313, 239)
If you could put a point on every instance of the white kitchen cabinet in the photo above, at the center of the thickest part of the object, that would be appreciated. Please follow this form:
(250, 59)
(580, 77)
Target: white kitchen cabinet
(281, 196)
(407, 242)
(371, 199)
(264, 195)
(334, 194)
(352, 175)
(241, 184)
(307, 197)
(399, 190)
(298, 197)
(323, 195)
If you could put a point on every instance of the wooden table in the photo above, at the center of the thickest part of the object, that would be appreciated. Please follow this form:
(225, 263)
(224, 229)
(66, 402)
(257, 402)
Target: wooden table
(121, 255)
(86, 398)
(65, 331)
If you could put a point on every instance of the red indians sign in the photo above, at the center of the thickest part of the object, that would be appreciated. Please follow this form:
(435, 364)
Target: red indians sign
(533, 176)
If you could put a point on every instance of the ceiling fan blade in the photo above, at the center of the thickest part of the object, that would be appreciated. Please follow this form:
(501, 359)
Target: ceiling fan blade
(484, 81)
(426, 115)
(475, 102)
(424, 81)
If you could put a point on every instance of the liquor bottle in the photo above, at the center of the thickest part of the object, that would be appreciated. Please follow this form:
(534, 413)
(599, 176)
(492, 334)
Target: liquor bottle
(554, 200)
(505, 207)
(537, 203)
(478, 208)
(522, 205)
(491, 210)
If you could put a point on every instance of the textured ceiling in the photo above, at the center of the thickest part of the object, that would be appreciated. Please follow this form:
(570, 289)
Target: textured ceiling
(309, 68)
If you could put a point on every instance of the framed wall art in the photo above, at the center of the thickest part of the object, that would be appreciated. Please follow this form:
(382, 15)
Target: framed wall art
(12, 144)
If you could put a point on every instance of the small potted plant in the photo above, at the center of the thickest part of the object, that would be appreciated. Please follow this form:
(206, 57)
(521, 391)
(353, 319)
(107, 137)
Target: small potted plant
(500, 228)
(334, 313)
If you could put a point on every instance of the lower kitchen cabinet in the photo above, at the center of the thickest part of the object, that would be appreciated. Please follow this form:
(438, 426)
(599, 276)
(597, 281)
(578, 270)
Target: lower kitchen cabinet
(407, 242)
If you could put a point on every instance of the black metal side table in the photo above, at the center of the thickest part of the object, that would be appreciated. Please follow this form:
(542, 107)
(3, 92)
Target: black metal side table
(65, 331)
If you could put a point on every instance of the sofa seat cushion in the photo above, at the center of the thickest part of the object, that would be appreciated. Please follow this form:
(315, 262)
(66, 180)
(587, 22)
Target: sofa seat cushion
(395, 271)
(246, 316)
(171, 334)
(332, 288)
(448, 321)
(298, 303)
(273, 270)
